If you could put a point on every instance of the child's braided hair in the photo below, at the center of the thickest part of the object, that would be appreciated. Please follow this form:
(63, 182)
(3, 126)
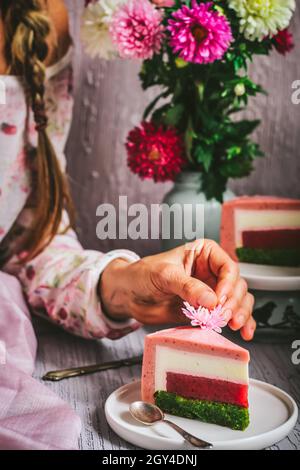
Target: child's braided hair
(27, 28)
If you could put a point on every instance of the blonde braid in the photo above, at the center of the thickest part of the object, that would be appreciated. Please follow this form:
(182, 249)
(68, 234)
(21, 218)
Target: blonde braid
(27, 28)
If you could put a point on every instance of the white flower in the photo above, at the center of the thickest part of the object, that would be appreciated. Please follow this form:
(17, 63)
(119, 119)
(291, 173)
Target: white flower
(261, 18)
(95, 26)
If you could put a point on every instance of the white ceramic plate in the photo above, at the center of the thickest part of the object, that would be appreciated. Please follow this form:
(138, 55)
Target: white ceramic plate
(271, 278)
(273, 414)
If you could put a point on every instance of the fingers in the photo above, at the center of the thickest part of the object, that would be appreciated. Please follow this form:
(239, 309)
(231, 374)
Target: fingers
(231, 289)
(242, 315)
(248, 330)
(173, 280)
(237, 297)
(219, 264)
(196, 292)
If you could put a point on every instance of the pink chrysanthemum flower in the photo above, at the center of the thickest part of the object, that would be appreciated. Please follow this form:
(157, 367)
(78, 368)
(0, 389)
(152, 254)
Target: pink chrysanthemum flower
(204, 318)
(137, 30)
(199, 34)
(155, 152)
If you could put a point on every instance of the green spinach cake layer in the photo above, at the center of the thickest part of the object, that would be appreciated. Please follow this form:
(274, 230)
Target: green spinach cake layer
(277, 257)
(231, 416)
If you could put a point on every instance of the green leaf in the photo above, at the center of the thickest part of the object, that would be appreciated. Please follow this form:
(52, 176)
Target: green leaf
(201, 89)
(174, 115)
(214, 185)
(204, 154)
(239, 130)
(234, 151)
(158, 115)
(153, 103)
(189, 140)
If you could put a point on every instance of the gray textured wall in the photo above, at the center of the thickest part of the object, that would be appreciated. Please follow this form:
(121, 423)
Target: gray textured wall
(109, 102)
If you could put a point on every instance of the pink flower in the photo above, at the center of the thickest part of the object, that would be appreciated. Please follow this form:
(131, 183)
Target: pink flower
(199, 34)
(204, 318)
(164, 3)
(284, 42)
(155, 152)
(137, 30)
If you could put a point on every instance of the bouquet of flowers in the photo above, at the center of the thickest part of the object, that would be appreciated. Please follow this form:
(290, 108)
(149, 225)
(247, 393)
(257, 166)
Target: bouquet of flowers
(198, 52)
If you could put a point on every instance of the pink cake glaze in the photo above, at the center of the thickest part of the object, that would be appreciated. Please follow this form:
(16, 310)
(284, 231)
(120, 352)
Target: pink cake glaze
(187, 339)
(248, 203)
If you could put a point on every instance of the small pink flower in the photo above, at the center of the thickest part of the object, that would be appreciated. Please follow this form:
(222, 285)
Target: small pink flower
(199, 34)
(204, 318)
(8, 129)
(137, 30)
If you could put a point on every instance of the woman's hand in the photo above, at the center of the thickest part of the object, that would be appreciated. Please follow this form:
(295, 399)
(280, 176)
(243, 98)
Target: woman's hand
(152, 290)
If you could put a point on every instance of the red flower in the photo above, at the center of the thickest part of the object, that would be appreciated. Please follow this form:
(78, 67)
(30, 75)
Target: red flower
(8, 129)
(283, 41)
(155, 152)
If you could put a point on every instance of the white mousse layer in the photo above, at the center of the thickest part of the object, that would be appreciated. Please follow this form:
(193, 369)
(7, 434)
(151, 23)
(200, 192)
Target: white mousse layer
(263, 219)
(200, 365)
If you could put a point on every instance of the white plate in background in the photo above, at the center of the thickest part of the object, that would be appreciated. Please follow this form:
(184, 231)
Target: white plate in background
(271, 278)
(273, 414)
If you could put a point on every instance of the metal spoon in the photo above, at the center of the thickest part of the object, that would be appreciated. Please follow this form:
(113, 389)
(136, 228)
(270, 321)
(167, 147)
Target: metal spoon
(149, 414)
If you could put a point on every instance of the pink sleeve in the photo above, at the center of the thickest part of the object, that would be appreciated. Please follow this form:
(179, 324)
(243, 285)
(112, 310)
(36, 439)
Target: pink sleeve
(62, 284)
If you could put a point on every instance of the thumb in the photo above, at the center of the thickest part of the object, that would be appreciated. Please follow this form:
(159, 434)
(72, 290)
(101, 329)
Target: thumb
(190, 289)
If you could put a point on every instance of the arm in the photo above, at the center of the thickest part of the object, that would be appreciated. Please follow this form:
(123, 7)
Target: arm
(152, 289)
(62, 284)
(95, 295)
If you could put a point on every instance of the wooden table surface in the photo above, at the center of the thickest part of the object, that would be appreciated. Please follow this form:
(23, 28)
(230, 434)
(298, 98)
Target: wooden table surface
(269, 362)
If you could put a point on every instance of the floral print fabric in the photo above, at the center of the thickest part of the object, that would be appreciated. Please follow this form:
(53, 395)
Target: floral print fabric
(63, 283)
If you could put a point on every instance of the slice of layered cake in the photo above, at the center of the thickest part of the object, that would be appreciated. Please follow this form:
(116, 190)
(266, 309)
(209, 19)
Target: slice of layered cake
(197, 374)
(262, 230)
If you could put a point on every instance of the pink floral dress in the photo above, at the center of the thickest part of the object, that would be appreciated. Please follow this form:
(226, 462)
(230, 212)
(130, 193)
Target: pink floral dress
(61, 283)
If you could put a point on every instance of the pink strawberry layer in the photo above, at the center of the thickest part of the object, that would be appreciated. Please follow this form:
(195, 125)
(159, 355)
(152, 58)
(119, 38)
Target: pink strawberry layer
(186, 339)
(262, 203)
(202, 388)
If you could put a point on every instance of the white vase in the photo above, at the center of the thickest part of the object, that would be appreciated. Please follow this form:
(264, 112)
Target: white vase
(187, 193)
